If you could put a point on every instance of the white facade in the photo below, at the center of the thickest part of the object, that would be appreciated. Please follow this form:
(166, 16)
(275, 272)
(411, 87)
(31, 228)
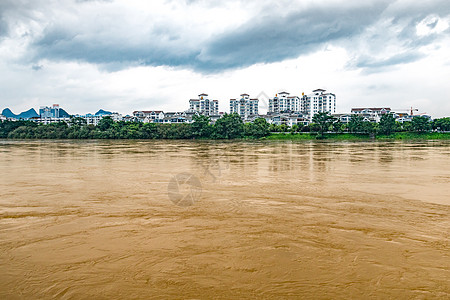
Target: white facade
(50, 120)
(149, 116)
(245, 106)
(49, 112)
(95, 119)
(282, 102)
(204, 106)
(318, 101)
(371, 114)
(343, 118)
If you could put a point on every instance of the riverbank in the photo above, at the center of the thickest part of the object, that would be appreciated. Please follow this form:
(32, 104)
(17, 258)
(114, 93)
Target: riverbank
(354, 136)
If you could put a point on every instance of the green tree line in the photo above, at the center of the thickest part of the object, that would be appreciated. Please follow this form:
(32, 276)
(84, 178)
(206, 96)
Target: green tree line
(324, 122)
(230, 126)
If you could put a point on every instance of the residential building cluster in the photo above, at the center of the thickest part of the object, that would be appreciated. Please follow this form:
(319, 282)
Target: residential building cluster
(282, 109)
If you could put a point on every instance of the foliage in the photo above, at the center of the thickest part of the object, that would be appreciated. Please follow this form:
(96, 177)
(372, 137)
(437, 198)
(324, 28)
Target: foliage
(201, 128)
(387, 124)
(442, 124)
(338, 126)
(421, 124)
(323, 120)
(257, 129)
(356, 124)
(230, 126)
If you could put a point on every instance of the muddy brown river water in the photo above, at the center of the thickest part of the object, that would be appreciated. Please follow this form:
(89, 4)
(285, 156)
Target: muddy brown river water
(224, 220)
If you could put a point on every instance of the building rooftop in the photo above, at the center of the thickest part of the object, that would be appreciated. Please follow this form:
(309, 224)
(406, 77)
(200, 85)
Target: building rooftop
(148, 111)
(371, 108)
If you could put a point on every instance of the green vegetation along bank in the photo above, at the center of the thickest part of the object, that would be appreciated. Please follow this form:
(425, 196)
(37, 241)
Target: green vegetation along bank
(231, 126)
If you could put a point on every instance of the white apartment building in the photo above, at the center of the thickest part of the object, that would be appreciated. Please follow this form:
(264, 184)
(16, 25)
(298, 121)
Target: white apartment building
(282, 102)
(318, 101)
(204, 106)
(245, 106)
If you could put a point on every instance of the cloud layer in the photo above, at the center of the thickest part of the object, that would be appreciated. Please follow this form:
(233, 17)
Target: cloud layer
(215, 37)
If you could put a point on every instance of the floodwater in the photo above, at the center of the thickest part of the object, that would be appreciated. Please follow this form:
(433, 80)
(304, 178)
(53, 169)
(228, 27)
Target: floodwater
(224, 220)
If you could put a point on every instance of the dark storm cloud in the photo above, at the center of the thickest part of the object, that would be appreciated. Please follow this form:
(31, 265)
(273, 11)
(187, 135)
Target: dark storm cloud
(263, 39)
(270, 36)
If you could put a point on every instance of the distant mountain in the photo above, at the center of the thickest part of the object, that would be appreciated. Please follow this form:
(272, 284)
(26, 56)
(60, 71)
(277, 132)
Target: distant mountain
(102, 112)
(63, 113)
(31, 113)
(8, 113)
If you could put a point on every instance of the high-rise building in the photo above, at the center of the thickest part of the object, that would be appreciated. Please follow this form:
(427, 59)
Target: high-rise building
(244, 106)
(282, 102)
(53, 112)
(318, 101)
(204, 106)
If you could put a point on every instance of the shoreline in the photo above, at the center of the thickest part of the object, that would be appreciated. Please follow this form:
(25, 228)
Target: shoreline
(283, 136)
(361, 137)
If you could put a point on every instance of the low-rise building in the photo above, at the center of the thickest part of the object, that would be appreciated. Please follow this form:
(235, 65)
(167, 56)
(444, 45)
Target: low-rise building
(49, 120)
(92, 119)
(372, 114)
(149, 116)
(288, 119)
(343, 118)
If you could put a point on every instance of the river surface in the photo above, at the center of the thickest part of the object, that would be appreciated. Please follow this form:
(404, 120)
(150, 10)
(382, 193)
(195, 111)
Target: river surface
(224, 220)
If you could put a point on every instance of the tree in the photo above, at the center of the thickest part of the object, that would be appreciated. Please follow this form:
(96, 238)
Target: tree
(283, 128)
(356, 124)
(201, 128)
(230, 126)
(387, 124)
(442, 124)
(148, 131)
(421, 123)
(407, 126)
(368, 127)
(323, 120)
(105, 123)
(258, 128)
(337, 126)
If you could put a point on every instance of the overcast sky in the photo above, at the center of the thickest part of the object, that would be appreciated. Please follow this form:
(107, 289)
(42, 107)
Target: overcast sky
(126, 55)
